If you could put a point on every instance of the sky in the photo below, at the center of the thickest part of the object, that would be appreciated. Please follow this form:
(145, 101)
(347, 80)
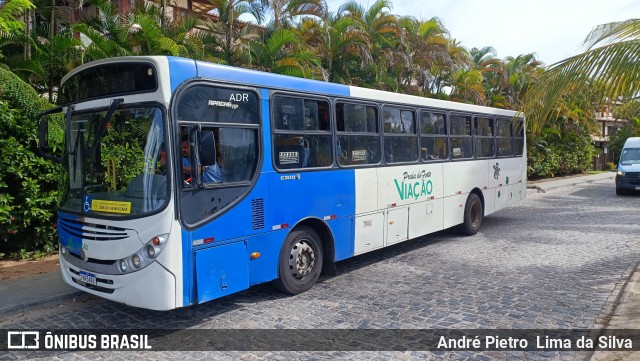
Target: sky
(553, 29)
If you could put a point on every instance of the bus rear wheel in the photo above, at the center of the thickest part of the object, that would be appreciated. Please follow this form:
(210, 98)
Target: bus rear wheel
(300, 262)
(473, 214)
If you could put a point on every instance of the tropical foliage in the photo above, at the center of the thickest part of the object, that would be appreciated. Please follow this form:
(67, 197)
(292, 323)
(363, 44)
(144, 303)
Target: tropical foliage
(608, 70)
(27, 181)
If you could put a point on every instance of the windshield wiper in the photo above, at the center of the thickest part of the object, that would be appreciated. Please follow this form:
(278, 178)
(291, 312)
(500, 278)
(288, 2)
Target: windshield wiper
(101, 127)
(103, 123)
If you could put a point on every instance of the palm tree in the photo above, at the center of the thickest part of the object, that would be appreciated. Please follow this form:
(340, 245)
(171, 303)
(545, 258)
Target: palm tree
(466, 86)
(425, 45)
(609, 69)
(384, 34)
(226, 37)
(144, 30)
(342, 45)
(52, 57)
(284, 11)
(520, 73)
(493, 72)
(283, 53)
(10, 12)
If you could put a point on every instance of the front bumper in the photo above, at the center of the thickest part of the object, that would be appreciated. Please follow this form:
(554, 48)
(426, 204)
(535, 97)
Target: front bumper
(152, 287)
(629, 181)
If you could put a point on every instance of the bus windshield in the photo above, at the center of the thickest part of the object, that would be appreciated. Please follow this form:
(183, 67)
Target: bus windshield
(114, 162)
(630, 156)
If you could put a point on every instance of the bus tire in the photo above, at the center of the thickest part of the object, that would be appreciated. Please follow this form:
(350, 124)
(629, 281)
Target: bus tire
(300, 261)
(473, 214)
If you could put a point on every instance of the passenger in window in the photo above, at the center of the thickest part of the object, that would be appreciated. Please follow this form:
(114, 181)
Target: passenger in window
(210, 174)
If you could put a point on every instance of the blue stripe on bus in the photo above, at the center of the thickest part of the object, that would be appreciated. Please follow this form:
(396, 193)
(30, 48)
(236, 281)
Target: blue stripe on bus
(180, 70)
(269, 80)
(73, 243)
(287, 200)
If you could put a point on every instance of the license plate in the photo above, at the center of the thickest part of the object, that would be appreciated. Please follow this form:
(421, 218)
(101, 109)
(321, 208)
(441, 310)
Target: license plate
(89, 278)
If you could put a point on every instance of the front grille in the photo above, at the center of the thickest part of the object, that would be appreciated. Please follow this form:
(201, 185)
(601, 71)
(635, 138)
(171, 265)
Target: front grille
(92, 231)
(633, 178)
(93, 260)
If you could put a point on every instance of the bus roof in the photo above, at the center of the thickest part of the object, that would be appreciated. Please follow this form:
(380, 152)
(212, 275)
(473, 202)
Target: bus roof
(191, 69)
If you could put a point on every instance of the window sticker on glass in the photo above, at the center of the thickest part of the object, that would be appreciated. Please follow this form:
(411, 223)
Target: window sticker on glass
(98, 205)
(359, 155)
(289, 158)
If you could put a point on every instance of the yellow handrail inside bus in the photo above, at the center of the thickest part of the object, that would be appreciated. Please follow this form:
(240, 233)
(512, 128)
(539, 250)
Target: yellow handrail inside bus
(111, 174)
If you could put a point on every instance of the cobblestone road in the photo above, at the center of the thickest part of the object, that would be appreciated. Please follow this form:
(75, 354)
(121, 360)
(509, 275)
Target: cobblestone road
(554, 261)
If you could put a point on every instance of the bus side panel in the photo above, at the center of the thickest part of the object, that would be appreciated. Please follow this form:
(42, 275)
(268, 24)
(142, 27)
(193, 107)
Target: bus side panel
(343, 233)
(505, 176)
(462, 177)
(221, 270)
(265, 268)
(321, 195)
(403, 185)
(418, 186)
(248, 217)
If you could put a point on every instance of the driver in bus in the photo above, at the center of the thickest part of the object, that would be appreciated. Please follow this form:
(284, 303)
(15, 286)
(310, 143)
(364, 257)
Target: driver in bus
(210, 174)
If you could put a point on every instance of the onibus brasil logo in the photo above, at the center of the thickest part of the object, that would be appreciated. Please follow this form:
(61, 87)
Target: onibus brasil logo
(414, 185)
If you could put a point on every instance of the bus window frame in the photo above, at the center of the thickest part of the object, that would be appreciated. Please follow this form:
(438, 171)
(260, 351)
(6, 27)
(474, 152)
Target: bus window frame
(498, 137)
(522, 124)
(446, 136)
(379, 134)
(175, 126)
(275, 132)
(116, 95)
(491, 137)
(451, 114)
(415, 135)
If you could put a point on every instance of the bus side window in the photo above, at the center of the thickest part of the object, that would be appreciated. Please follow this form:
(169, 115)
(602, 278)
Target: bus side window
(302, 136)
(358, 136)
(434, 141)
(503, 138)
(461, 140)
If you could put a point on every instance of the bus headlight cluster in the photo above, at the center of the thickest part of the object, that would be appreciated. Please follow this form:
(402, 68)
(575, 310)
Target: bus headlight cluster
(144, 256)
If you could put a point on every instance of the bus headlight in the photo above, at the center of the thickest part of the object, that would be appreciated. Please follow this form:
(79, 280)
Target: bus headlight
(151, 251)
(135, 259)
(144, 256)
(620, 172)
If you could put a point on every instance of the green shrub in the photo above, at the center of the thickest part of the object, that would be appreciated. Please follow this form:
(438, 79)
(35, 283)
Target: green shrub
(559, 152)
(28, 182)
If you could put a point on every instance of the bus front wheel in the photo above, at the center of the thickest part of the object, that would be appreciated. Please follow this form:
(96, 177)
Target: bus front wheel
(300, 261)
(473, 214)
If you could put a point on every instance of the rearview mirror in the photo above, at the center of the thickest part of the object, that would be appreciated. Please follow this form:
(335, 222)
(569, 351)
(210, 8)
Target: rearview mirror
(51, 137)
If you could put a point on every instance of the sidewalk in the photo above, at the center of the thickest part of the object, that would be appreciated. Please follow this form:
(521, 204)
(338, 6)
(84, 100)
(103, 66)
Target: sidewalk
(551, 183)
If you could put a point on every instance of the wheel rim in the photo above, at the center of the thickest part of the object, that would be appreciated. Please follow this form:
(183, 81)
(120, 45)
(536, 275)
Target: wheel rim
(302, 259)
(476, 215)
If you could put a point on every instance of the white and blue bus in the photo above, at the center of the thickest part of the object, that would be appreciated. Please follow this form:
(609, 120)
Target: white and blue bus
(185, 181)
